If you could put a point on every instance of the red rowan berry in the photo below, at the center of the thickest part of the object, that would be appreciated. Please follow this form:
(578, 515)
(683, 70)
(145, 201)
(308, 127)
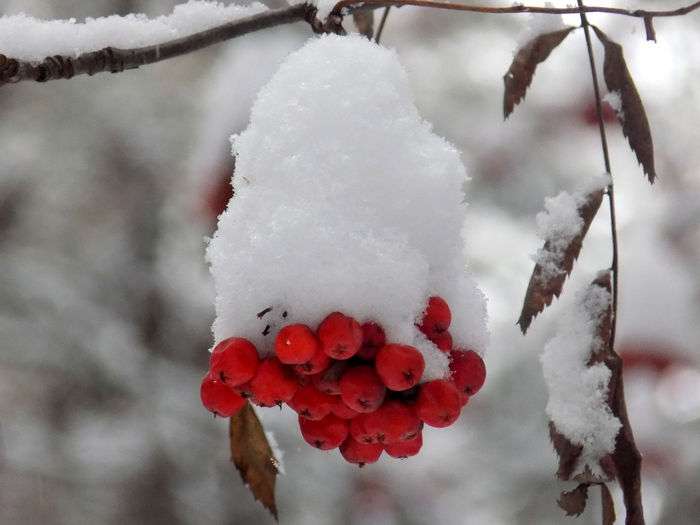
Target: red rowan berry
(340, 409)
(243, 390)
(443, 340)
(362, 389)
(311, 403)
(296, 344)
(317, 364)
(219, 398)
(359, 431)
(326, 434)
(405, 449)
(373, 338)
(234, 361)
(437, 316)
(274, 383)
(340, 336)
(360, 453)
(468, 371)
(329, 381)
(399, 366)
(438, 403)
(393, 422)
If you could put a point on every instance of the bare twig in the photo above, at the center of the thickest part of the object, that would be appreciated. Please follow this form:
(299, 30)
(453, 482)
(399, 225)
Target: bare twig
(626, 457)
(345, 7)
(382, 23)
(115, 60)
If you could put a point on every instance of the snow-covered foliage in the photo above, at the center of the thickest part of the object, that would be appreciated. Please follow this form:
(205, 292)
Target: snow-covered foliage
(28, 38)
(345, 200)
(560, 223)
(578, 404)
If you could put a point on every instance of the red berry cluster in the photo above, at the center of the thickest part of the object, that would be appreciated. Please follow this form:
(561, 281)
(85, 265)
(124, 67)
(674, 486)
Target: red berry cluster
(350, 387)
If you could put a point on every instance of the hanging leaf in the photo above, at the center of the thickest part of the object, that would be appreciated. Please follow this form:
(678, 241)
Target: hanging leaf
(574, 502)
(631, 114)
(521, 71)
(546, 284)
(253, 456)
(567, 452)
(608, 507)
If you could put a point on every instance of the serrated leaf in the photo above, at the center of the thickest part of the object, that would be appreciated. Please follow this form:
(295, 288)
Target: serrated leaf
(253, 456)
(543, 286)
(568, 453)
(519, 75)
(574, 502)
(632, 116)
(608, 507)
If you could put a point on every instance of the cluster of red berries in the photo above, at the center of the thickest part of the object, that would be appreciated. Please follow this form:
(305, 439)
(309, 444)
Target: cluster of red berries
(350, 387)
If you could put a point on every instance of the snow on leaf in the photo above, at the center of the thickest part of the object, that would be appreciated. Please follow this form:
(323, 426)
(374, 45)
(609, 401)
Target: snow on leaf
(583, 427)
(562, 227)
(252, 455)
(574, 502)
(632, 115)
(522, 70)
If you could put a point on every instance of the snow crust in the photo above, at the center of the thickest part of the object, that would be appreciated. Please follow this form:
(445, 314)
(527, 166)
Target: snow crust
(27, 38)
(560, 223)
(344, 200)
(577, 392)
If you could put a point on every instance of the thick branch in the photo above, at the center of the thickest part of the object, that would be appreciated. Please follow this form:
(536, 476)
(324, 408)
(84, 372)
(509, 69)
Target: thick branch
(115, 60)
(345, 7)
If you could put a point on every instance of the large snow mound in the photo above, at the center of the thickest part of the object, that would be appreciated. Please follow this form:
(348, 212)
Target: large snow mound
(27, 38)
(344, 200)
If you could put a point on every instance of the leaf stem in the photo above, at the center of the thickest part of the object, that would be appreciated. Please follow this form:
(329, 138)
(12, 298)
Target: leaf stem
(385, 14)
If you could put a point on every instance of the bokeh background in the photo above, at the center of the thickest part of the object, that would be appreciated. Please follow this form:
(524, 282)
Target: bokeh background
(109, 186)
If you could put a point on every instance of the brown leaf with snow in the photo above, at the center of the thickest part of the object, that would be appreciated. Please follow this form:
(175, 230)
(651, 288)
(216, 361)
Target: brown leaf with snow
(632, 115)
(253, 456)
(543, 288)
(574, 501)
(522, 70)
(567, 452)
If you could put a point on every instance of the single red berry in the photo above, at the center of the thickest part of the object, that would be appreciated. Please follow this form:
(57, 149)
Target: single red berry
(243, 390)
(405, 449)
(311, 403)
(438, 403)
(234, 361)
(295, 344)
(373, 338)
(360, 453)
(361, 389)
(317, 364)
(340, 409)
(468, 371)
(399, 366)
(437, 316)
(443, 340)
(463, 398)
(274, 383)
(340, 336)
(219, 398)
(393, 422)
(359, 431)
(329, 381)
(326, 434)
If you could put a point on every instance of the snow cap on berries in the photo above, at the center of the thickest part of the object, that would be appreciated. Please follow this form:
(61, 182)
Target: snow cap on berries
(345, 200)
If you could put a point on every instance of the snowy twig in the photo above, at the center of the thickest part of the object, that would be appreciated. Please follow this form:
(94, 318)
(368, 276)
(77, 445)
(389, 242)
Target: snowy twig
(345, 7)
(626, 457)
(115, 60)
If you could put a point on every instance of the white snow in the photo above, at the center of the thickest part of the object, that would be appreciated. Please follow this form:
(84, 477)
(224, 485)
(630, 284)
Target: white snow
(277, 452)
(27, 38)
(538, 24)
(614, 98)
(345, 200)
(560, 223)
(578, 393)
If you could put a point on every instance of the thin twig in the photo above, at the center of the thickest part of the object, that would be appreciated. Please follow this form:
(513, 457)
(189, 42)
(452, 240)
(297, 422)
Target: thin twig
(345, 7)
(385, 14)
(626, 456)
(115, 60)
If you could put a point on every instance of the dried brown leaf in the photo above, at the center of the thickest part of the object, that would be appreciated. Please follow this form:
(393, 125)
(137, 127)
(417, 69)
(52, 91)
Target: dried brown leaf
(633, 118)
(364, 22)
(608, 507)
(568, 453)
(253, 456)
(540, 290)
(574, 502)
(521, 71)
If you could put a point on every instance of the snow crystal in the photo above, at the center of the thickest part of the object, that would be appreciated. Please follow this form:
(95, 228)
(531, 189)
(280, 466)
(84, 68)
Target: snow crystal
(578, 393)
(27, 38)
(615, 100)
(560, 223)
(345, 200)
(538, 24)
(277, 452)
